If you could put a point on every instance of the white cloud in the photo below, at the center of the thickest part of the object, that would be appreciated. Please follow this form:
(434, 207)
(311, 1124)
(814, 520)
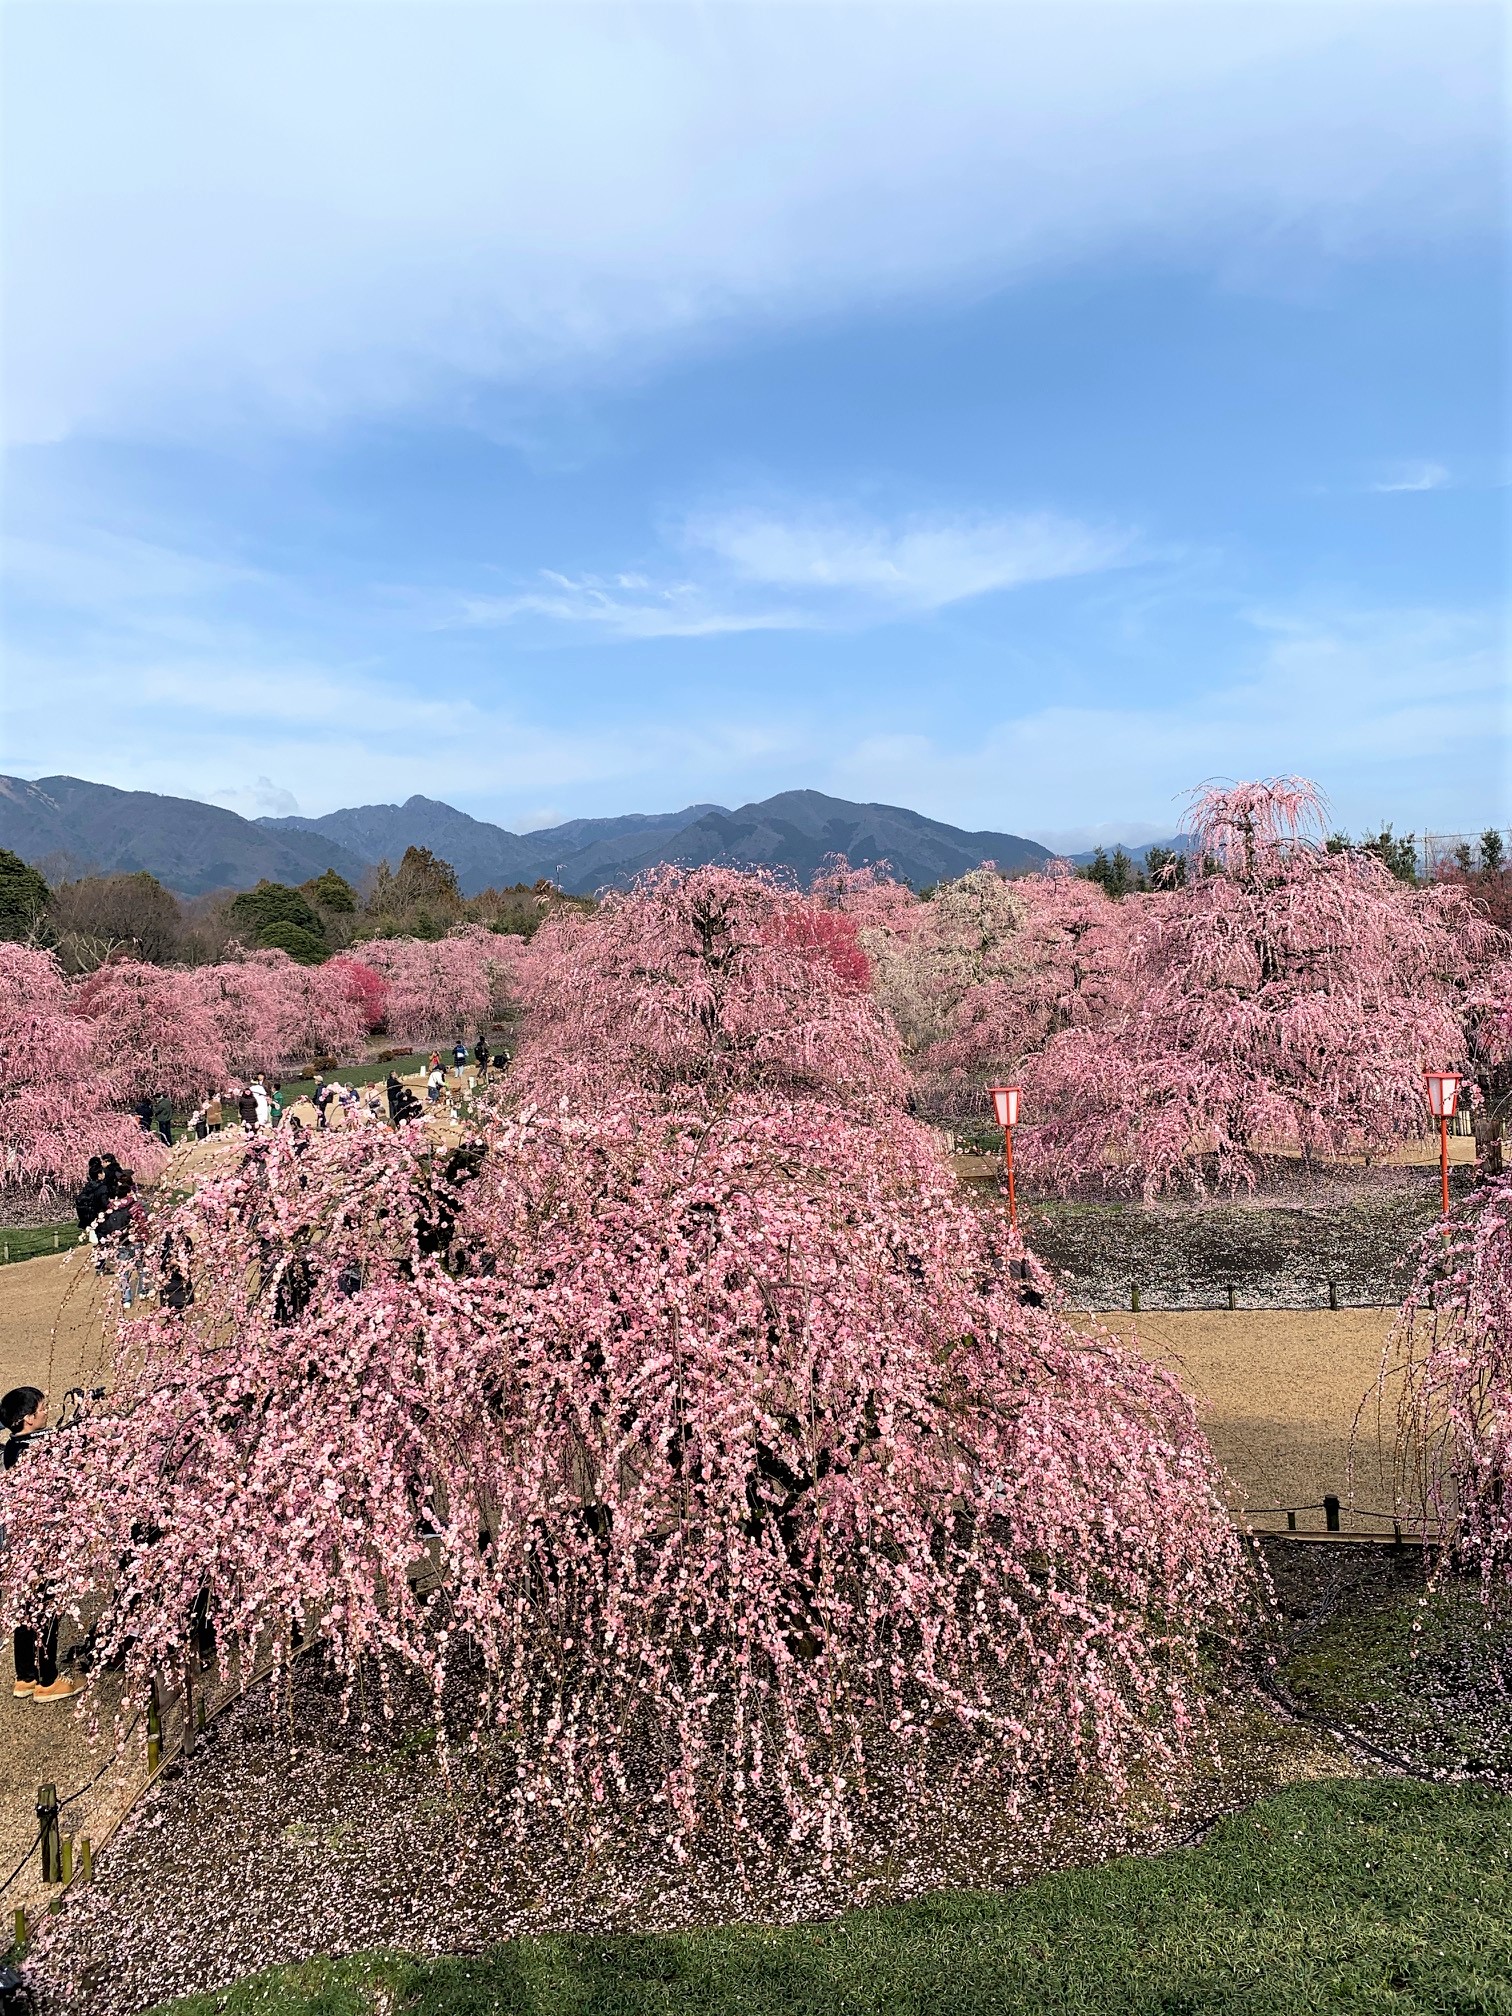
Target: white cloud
(829, 569)
(222, 214)
(925, 563)
(262, 800)
(626, 606)
(1414, 476)
(335, 735)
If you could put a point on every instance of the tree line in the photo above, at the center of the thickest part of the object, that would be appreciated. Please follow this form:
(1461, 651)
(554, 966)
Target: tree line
(94, 918)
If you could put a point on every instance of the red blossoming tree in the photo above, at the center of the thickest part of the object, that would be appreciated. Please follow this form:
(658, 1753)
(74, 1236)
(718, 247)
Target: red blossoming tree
(57, 1106)
(366, 986)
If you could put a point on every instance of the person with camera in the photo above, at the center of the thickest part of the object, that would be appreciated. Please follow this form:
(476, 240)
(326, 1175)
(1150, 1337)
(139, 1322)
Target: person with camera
(23, 1413)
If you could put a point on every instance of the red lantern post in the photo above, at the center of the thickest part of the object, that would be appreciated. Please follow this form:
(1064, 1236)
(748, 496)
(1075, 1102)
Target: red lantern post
(1005, 1107)
(1443, 1103)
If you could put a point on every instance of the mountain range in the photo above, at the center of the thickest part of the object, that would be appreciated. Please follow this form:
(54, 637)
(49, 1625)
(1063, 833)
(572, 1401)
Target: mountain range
(67, 826)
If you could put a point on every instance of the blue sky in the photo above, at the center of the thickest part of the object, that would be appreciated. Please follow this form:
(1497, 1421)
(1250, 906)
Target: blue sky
(1021, 414)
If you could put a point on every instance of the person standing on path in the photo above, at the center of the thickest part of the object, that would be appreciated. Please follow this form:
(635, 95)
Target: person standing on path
(23, 1413)
(93, 1201)
(480, 1055)
(260, 1099)
(246, 1106)
(162, 1118)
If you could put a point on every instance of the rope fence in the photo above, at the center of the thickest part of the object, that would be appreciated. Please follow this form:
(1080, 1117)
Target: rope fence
(1333, 1509)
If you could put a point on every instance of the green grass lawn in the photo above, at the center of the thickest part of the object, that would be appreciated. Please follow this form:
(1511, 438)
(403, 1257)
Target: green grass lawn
(1376, 1897)
(25, 1242)
(363, 1074)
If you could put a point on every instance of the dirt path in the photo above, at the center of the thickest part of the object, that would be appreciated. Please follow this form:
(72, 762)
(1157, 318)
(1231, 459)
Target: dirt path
(56, 1321)
(1281, 1391)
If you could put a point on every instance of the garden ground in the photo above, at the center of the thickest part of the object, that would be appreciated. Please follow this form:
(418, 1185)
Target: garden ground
(1384, 1899)
(1344, 1885)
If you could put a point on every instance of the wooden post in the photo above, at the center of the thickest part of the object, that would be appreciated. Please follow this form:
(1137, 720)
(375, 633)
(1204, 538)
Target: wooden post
(154, 1728)
(86, 1859)
(1134, 1296)
(65, 1860)
(1291, 1522)
(1331, 1512)
(1233, 1301)
(19, 1945)
(47, 1827)
(1333, 1294)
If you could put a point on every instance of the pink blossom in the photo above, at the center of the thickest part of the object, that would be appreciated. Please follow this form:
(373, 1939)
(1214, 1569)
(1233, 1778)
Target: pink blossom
(708, 982)
(743, 1469)
(151, 1029)
(57, 1105)
(439, 989)
(1455, 1410)
(1292, 1003)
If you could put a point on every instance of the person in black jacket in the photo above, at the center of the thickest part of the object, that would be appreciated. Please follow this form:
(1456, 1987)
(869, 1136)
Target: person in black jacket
(402, 1103)
(93, 1201)
(23, 1411)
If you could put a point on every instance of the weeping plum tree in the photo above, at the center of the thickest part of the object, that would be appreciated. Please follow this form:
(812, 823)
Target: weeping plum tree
(1048, 965)
(57, 1105)
(245, 1002)
(152, 1032)
(438, 989)
(1286, 996)
(703, 984)
(1455, 1444)
(750, 1483)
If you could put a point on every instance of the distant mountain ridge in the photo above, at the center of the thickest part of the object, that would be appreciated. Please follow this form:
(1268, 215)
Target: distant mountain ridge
(75, 827)
(484, 855)
(67, 826)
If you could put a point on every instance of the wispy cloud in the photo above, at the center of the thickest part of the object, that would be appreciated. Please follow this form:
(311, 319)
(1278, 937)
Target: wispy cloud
(93, 568)
(923, 563)
(826, 568)
(628, 606)
(261, 800)
(1414, 476)
(230, 215)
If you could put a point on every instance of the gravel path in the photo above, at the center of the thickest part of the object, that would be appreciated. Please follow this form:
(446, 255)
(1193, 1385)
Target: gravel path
(1278, 1249)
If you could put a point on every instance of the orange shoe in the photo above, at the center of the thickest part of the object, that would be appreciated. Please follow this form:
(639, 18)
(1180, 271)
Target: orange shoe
(62, 1689)
(23, 1689)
